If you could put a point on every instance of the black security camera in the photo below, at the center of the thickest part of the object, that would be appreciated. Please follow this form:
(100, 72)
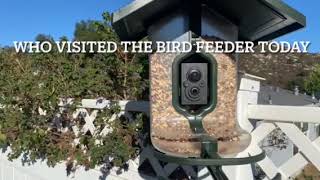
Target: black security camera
(194, 87)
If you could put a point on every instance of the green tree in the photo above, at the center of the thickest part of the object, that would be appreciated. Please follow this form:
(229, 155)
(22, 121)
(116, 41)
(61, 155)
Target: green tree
(127, 69)
(312, 83)
(44, 37)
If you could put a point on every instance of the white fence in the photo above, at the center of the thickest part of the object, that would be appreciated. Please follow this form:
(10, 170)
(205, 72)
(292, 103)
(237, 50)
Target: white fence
(147, 167)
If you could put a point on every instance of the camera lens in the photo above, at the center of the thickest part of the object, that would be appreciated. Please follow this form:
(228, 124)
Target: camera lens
(194, 75)
(195, 91)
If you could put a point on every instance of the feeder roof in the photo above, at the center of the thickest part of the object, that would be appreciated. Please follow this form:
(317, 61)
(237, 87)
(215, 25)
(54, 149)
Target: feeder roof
(257, 19)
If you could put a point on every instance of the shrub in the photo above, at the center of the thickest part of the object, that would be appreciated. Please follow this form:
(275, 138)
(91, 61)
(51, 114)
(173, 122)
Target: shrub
(32, 81)
(312, 83)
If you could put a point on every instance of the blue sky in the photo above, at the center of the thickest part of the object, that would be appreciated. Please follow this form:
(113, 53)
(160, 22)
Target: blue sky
(312, 32)
(24, 19)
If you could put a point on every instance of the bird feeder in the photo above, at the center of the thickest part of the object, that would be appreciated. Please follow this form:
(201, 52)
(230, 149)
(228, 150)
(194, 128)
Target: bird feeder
(194, 95)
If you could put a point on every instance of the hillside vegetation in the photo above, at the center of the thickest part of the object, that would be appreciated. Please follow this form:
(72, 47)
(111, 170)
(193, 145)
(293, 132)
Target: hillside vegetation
(282, 70)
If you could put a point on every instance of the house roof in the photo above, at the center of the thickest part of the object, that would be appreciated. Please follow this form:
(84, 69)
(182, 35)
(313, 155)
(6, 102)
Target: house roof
(257, 19)
(280, 96)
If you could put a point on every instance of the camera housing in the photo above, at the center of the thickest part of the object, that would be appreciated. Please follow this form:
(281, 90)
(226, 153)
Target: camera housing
(194, 84)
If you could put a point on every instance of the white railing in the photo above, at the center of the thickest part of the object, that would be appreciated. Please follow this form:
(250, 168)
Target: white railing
(150, 168)
(281, 118)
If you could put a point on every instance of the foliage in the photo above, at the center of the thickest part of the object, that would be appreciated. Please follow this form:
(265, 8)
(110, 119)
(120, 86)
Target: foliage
(298, 82)
(310, 172)
(276, 140)
(32, 81)
(312, 83)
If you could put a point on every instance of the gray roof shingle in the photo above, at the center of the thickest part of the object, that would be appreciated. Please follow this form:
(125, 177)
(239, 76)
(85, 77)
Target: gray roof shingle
(280, 96)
